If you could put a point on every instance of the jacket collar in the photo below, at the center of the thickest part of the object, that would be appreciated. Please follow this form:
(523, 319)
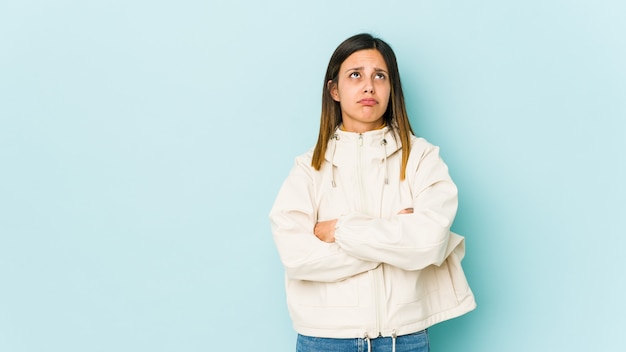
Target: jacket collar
(377, 144)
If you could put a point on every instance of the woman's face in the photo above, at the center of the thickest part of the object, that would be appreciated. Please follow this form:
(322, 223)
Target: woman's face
(362, 90)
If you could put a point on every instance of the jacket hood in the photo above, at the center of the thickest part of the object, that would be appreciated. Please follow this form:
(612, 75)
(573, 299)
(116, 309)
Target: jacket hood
(378, 144)
(375, 146)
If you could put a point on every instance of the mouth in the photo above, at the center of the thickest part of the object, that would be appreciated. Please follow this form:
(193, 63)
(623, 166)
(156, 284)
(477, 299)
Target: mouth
(368, 102)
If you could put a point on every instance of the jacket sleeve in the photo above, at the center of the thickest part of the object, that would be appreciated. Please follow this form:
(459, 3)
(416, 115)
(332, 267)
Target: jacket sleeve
(408, 241)
(293, 218)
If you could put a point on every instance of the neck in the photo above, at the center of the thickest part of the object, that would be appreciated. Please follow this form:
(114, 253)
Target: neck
(361, 129)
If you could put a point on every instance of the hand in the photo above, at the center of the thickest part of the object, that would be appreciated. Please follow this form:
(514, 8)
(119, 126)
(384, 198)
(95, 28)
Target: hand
(406, 211)
(325, 230)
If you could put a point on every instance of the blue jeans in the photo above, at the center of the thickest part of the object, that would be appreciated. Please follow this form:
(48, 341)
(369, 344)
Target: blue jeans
(416, 342)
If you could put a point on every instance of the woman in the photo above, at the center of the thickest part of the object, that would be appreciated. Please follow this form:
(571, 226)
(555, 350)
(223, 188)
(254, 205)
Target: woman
(362, 222)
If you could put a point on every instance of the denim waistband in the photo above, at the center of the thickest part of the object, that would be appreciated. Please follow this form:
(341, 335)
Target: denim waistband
(414, 342)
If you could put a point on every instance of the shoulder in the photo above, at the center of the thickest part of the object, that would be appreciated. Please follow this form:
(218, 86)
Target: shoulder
(420, 147)
(304, 160)
(424, 156)
(302, 168)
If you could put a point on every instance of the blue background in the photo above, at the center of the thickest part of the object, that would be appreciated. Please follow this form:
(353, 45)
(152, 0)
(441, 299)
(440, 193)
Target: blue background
(142, 144)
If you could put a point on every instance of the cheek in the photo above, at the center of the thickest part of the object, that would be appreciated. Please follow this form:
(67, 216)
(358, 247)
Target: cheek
(383, 87)
(385, 93)
(345, 89)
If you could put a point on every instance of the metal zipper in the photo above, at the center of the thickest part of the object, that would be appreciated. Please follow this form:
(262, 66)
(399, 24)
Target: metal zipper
(376, 273)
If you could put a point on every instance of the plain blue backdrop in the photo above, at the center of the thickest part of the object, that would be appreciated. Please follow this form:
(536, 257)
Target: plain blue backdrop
(142, 144)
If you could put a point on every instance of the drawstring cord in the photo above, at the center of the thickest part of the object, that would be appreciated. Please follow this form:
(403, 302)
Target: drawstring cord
(335, 137)
(384, 144)
(369, 343)
(394, 336)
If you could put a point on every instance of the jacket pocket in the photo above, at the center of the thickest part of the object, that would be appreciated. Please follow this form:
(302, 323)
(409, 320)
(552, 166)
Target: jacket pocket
(323, 294)
(415, 285)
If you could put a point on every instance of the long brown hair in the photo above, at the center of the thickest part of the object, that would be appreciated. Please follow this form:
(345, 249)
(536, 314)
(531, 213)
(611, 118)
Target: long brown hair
(395, 117)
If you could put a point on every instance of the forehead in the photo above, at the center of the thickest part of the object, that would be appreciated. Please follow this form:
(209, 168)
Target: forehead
(365, 58)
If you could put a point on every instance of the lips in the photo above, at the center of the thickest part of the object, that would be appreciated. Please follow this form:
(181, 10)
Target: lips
(368, 102)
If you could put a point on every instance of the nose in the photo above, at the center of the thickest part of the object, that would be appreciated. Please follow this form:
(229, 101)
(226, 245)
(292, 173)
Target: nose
(369, 86)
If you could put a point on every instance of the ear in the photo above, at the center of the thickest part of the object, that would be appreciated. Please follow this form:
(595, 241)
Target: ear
(332, 89)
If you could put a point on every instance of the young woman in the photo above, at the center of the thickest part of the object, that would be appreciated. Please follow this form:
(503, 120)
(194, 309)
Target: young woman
(362, 222)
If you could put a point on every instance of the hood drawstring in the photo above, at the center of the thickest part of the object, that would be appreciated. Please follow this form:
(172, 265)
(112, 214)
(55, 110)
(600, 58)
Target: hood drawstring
(335, 138)
(384, 144)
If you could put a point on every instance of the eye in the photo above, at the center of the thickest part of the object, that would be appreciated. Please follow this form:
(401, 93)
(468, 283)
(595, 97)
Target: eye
(380, 75)
(355, 75)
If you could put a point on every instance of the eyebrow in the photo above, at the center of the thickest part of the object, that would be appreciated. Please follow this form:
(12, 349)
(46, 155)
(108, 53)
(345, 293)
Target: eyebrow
(361, 68)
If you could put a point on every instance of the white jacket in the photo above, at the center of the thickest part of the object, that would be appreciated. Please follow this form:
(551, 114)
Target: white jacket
(385, 273)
